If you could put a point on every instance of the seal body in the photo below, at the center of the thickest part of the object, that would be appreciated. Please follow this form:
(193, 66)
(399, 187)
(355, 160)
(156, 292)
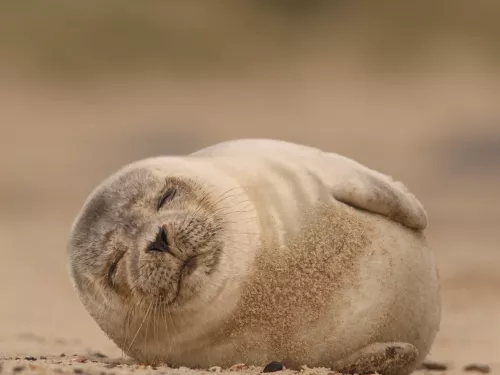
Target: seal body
(257, 250)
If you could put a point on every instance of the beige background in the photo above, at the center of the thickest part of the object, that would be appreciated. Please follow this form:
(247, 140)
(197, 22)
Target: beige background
(411, 91)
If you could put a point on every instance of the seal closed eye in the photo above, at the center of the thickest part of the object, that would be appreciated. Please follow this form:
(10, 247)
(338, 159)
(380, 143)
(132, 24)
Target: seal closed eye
(258, 250)
(167, 196)
(113, 266)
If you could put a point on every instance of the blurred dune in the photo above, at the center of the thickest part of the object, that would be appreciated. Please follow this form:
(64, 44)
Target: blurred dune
(410, 89)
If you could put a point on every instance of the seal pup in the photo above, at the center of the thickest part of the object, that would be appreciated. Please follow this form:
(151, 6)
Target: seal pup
(255, 250)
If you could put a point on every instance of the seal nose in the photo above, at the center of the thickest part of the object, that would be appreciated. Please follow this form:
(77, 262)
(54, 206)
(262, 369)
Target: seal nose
(160, 243)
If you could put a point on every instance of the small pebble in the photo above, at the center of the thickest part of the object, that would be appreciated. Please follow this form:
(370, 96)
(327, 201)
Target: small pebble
(238, 367)
(273, 366)
(98, 355)
(215, 369)
(433, 366)
(43, 357)
(62, 355)
(30, 358)
(78, 371)
(81, 359)
(18, 369)
(484, 369)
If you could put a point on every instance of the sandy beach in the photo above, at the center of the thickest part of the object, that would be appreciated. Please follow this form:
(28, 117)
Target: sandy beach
(59, 144)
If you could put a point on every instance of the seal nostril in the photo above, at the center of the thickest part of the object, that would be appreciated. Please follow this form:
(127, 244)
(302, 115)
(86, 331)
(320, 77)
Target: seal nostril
(163, 236)
(160, 244)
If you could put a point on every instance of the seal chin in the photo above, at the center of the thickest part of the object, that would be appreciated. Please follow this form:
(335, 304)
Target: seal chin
(172, 280)
(159, 278)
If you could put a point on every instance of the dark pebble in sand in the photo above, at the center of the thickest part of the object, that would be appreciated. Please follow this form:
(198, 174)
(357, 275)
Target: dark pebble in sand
(98, 355)
(43, 357)
(62, 355)
(484, 369)
(18, 369)
(434, 366)
(78, 371)
(273, 366)
(30, 358)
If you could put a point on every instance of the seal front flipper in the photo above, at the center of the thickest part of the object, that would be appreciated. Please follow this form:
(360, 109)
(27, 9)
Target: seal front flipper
(361, 187)
(394, 358)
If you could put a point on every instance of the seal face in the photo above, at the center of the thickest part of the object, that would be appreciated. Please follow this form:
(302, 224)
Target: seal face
(157, 240)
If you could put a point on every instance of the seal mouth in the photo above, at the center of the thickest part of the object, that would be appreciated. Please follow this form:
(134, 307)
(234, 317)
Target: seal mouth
(189, 265)
(187, 268)
(192, 273)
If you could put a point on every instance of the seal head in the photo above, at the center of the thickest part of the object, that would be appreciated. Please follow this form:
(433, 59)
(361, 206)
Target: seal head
(156, 239)
(150, 242)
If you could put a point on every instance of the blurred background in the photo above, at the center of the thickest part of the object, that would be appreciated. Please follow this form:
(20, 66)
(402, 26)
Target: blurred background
(409, 88)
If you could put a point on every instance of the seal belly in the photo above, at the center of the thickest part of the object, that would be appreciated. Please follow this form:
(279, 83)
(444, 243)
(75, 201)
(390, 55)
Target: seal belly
(292, 285)
(344, 280)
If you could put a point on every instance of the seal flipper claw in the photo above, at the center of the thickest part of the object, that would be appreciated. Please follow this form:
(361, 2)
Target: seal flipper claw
(394, 358)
